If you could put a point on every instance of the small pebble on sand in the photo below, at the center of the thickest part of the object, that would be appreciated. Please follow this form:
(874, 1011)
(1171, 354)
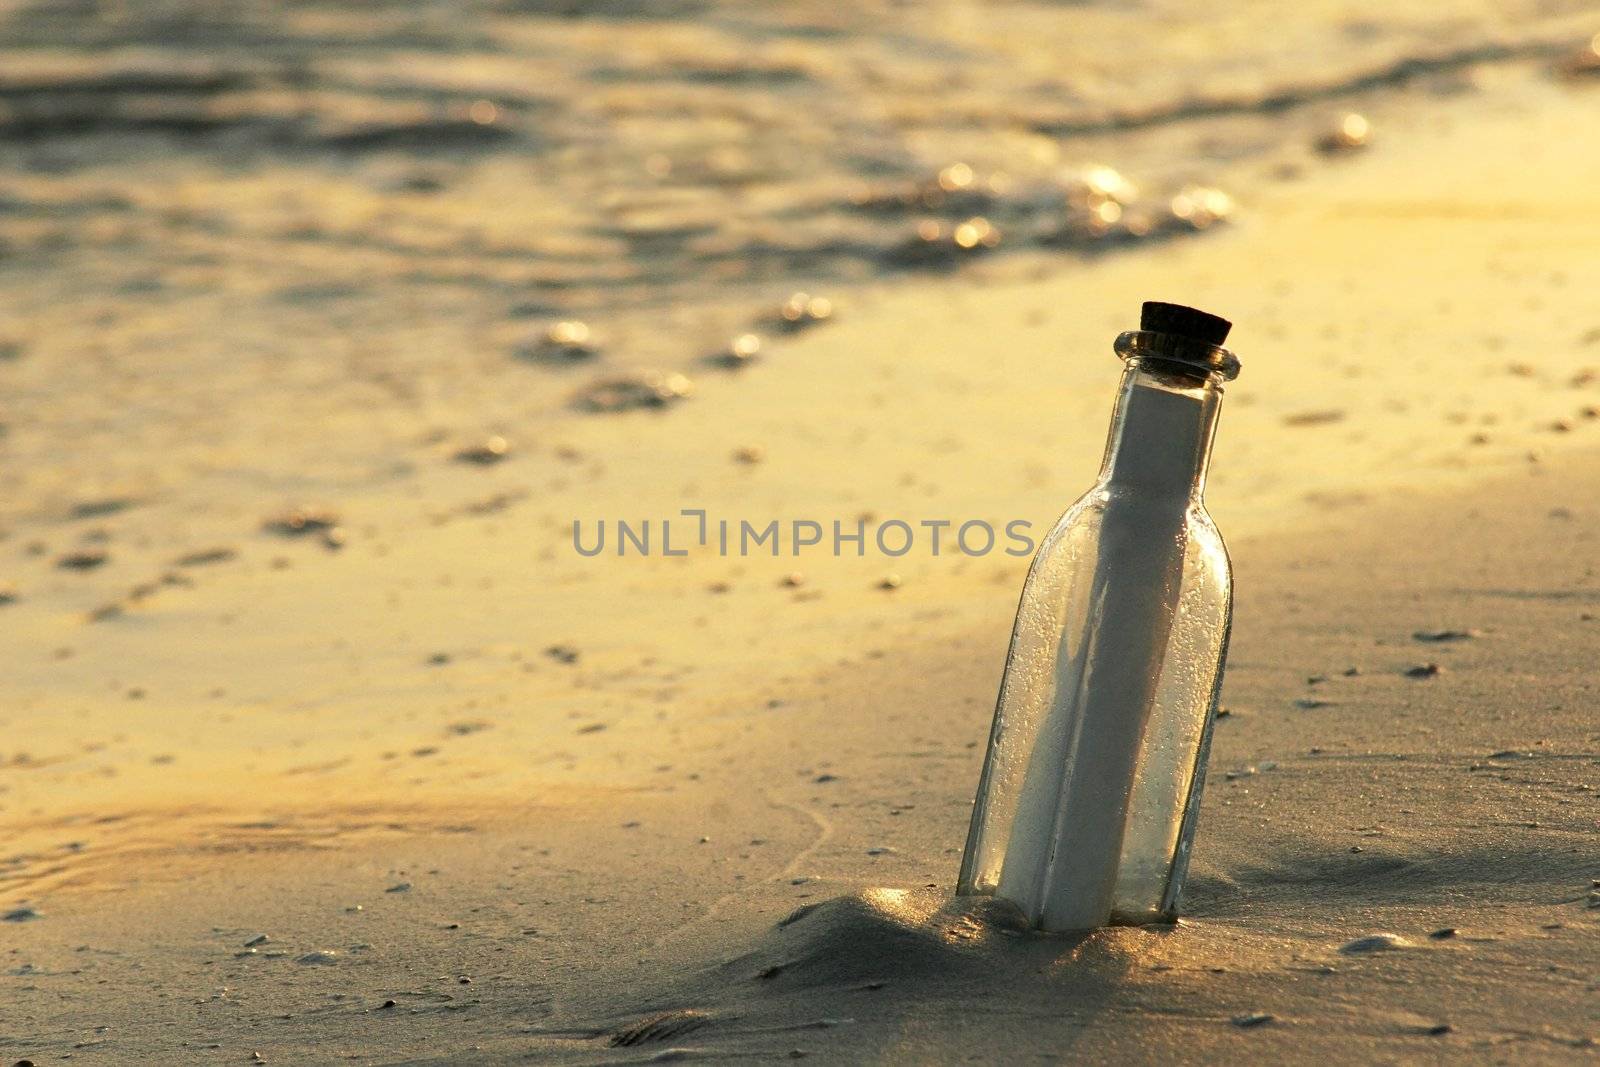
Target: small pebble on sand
(803, 311)
(890, 581)
(568, 341)
(320, 958)
(82, 560)
(1583, 63)
(562, 653)
(1444, 933)
(489, 451)
(1350, 134)
(1253, 1018)
(1199, 207)
(8, 594)
(1423, 670)
(1371, 943)
(742, 351)
(259, 939)
(749, 454)
(20, 915)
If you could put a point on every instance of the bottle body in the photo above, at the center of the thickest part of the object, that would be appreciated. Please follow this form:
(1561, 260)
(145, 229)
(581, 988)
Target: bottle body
(1086, 808)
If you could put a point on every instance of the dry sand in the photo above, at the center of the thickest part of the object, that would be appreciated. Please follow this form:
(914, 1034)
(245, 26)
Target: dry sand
(464, 843)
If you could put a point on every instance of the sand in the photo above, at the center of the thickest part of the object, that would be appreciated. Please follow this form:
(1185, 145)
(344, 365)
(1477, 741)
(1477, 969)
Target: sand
(490, 801)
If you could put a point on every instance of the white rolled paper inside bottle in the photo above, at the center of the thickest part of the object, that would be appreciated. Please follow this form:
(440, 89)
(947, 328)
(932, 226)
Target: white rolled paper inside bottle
(1065, 846)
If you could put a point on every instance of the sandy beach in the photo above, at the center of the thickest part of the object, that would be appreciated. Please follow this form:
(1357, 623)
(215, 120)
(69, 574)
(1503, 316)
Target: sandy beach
(320, 741)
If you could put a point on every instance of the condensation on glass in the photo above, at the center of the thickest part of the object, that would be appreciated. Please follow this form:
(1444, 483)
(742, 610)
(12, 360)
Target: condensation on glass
(1086, 808)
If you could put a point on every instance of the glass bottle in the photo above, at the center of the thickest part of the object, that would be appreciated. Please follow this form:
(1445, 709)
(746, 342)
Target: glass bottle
(1086, 808)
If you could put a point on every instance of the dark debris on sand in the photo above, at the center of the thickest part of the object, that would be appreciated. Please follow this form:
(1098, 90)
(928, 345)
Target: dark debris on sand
(95, 509)
(204, 556)
(660, 1027)
(566, 342)
(1439, 636)
(297, 522)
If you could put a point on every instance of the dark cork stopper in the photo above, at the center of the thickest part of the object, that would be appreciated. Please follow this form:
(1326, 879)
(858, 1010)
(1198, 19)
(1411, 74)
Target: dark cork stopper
(1184, 322)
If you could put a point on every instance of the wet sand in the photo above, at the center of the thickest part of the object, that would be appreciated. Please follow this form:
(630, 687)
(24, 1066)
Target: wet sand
(485, 797)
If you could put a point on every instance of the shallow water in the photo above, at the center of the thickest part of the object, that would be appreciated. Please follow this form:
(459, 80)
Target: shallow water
(668, 172)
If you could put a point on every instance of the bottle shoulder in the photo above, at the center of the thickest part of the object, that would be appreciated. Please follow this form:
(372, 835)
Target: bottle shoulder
(1093, 505)
(1085, 520)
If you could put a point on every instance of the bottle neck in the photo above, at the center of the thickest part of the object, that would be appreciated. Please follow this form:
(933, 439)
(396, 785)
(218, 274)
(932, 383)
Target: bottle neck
(1161, 433)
